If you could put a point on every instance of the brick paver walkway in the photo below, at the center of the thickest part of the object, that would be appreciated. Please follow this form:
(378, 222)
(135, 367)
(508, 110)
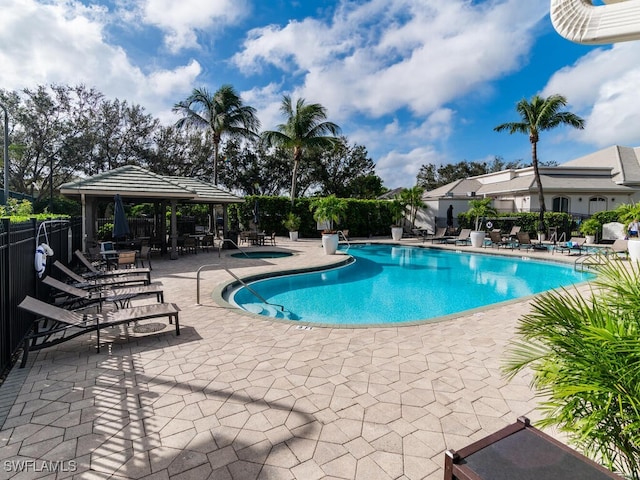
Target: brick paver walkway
(240, 397)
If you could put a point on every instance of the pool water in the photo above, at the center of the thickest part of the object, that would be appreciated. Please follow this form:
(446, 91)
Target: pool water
(391, 284)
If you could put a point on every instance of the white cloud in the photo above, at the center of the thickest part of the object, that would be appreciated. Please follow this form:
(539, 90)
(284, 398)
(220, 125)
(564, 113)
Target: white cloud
(379, 56)
(602, 87)
(180, 20)
(399, 169)
(65, 43)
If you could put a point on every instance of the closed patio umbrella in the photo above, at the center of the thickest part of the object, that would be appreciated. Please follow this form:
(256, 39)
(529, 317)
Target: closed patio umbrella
(120, 222)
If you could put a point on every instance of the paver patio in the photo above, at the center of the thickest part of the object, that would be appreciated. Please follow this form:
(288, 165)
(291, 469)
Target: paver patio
(241, 397)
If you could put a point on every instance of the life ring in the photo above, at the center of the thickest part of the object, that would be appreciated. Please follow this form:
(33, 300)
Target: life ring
(489, 224)
(42, 252)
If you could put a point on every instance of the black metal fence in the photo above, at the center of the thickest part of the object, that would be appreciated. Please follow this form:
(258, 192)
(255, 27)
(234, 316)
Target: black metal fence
(17, 271)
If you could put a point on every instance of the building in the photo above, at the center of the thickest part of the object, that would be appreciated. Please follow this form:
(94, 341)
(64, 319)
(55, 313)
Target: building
(599, 181)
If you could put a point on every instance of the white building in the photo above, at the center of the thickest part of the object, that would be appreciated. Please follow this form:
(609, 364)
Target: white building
(599, 181)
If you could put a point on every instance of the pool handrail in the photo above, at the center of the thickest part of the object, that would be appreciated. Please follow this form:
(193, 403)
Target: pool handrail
(340, 232)
(242, 282)
(228, 240)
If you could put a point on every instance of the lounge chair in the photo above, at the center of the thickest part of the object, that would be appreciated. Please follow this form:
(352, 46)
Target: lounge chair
(95, 272)
(524, 241)
(515, 230)
(619, 248)
(498, 241)
(463, 237)
(440, 236)
(575, 245)
(100, 282)
(73, 297)
(55, 325)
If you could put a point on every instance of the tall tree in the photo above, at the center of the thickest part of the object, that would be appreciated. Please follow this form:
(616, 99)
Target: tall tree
(538, 115)
(306, 127)
(223, 113)
(347, 171)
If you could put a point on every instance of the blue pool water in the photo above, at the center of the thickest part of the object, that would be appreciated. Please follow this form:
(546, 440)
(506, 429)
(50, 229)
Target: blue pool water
(390, 284)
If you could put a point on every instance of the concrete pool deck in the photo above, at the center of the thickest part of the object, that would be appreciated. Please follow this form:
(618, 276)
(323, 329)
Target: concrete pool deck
(241, 397)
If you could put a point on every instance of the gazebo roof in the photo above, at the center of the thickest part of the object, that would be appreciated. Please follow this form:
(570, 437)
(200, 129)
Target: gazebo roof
(131, 181)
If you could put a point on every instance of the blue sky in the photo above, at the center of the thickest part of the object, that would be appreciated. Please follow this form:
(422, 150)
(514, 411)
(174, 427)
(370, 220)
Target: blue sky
(415, 82)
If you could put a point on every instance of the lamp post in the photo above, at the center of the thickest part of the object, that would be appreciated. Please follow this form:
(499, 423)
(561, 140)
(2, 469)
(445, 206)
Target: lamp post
(6, 154)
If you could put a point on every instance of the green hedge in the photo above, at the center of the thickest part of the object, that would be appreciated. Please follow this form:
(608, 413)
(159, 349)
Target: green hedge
(364, 217)
(563, 222)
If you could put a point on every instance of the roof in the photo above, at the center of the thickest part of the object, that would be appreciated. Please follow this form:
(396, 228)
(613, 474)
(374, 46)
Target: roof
(131, 181)
(624, 162)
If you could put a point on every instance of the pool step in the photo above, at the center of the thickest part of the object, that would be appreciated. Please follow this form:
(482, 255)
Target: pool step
(269, 311)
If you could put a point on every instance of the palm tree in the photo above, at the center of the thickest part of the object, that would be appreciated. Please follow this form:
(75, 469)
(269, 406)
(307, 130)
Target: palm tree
(305, 128)
(538, 115)
(412, 197)
(223, 113)
(583, 355)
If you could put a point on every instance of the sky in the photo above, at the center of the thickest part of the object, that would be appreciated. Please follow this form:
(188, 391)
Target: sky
(414, 81)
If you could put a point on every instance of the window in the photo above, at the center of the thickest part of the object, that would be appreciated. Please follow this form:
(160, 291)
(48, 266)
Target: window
(597, 204)
(560, 204)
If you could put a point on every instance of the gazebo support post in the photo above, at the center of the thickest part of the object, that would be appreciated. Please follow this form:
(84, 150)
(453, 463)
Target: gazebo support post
(174, 230)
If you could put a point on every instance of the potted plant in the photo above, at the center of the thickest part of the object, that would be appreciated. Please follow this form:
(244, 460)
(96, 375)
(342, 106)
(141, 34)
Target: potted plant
(479, 209)
(398, 207)
(328, 210)
(590, 228)
(292, 223)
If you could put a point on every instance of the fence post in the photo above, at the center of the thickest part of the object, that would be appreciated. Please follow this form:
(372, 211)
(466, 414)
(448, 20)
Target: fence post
(5, 346)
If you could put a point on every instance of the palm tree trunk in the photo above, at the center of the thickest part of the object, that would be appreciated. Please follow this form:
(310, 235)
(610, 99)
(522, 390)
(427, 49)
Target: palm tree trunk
(294, 175)
(536, 172)
(215, 162)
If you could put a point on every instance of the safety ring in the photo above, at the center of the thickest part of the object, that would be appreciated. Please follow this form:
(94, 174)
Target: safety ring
(489, 225)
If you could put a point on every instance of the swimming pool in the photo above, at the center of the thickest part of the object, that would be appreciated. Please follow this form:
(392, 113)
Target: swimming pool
(392, 284)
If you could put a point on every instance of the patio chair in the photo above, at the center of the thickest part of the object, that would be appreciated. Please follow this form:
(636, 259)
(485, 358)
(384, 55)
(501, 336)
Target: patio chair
(93, 271)
(524, 241)
(575, 245)
(498, 241)
(439, 236)
(74, 297)
(144, 254)
(463, 238)
(100, 282)
(271, 239)
(620, 248)
(55, 325)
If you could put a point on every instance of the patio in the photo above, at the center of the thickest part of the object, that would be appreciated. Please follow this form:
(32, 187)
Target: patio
(240, 397)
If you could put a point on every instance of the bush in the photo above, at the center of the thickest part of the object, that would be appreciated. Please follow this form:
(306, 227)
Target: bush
(585, 359)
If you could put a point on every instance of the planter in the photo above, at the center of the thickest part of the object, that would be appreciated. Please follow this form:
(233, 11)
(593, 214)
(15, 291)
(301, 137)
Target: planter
(542, 236)
(330, 243)
(396, 233)
(590, 239)
(634, 249)
(293, 236)
(477, 238)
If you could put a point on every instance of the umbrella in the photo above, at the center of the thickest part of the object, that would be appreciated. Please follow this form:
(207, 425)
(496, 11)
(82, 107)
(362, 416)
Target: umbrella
(120, 222)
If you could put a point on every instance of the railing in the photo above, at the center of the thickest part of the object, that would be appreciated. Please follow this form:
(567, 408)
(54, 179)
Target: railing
(228, 240)
(242, 282)
(340, 232)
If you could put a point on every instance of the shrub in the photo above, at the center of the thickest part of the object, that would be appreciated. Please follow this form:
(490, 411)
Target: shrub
(585, 359)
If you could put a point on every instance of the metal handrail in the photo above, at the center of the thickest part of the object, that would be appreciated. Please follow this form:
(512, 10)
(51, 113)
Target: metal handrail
(228, 240)
(256, 294)
(340, 232)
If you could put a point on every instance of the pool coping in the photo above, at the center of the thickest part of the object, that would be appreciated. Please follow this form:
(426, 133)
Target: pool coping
(217, 295)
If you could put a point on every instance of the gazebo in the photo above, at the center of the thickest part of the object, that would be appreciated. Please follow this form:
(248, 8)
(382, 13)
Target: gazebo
(134, 183)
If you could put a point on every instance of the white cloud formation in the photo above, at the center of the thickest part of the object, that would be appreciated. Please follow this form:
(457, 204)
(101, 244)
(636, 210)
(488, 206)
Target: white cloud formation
(64, 43)
(602, 87)
(379, 56)
(180, 20)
